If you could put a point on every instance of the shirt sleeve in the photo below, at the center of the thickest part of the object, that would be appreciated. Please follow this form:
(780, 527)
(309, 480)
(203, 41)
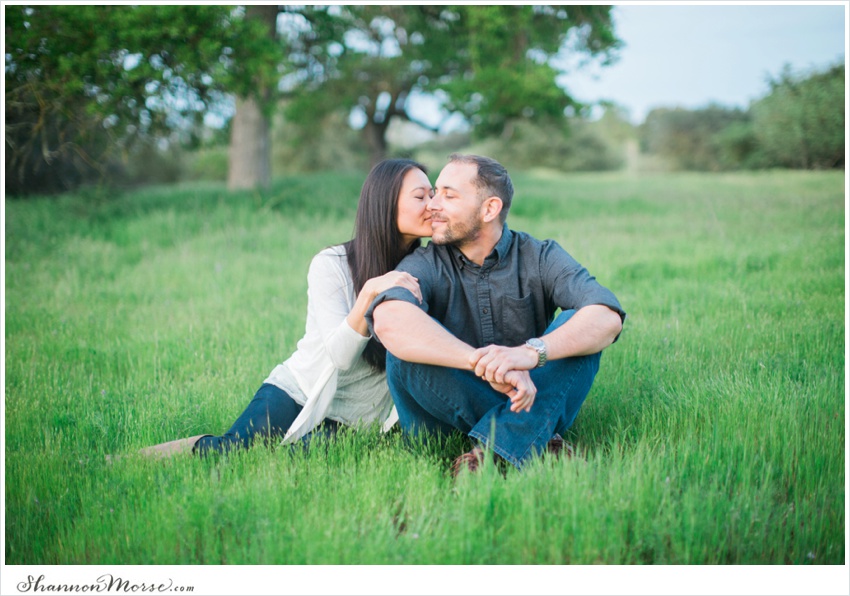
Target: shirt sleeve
(570, 285)
(329, 299)
(416, 265)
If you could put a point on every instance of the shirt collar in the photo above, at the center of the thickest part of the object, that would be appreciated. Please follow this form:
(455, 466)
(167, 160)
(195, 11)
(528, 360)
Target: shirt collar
(499, 251)
(502, 245)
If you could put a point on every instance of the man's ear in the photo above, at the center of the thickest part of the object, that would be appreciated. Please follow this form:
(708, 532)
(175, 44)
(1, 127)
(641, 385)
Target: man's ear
(490, 209)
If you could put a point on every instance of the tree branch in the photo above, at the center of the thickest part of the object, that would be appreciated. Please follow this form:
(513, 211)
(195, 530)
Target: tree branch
(409, 118)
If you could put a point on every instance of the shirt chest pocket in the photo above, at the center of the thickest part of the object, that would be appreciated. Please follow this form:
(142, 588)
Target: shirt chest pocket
(517, 321)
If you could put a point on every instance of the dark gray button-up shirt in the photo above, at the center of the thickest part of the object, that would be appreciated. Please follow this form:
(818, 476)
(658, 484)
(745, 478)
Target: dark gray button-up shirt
(512, 297)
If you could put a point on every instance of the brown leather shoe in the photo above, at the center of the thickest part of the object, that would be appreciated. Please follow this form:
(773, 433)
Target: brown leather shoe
(471, 461)
(557, 446)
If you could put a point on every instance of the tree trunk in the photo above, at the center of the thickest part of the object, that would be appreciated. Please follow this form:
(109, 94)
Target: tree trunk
(250, 151)
(376, 139)
(250, 146)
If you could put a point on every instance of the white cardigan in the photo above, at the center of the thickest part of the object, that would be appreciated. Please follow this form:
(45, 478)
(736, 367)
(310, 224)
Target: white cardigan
(326, 374)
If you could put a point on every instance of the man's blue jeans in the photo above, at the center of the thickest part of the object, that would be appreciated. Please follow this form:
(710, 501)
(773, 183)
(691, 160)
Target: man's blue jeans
(439, 399)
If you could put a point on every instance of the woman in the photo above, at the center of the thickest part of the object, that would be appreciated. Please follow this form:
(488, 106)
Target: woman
(336, 375)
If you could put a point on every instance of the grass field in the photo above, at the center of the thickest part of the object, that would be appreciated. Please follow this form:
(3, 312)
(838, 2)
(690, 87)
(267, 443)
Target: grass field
(714, 434)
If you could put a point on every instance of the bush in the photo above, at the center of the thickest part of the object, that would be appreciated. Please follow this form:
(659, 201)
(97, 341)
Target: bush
(800, 124)
(523, 145)
(207, 163)
(332, 145)
(737, 147)
(691, 139)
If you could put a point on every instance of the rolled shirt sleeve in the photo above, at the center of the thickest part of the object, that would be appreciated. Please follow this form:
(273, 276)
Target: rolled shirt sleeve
(394, 293)
(418, 267)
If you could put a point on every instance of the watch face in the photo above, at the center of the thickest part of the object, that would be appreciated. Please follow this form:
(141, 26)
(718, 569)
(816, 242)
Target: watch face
(537, 344)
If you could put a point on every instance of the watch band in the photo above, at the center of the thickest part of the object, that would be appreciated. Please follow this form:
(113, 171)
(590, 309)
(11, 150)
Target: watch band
(537, 345)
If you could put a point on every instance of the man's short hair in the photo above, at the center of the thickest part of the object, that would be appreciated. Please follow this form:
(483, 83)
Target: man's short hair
(492, 179)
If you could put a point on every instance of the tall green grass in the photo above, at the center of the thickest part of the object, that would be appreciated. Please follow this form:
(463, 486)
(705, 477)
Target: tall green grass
(715, 431)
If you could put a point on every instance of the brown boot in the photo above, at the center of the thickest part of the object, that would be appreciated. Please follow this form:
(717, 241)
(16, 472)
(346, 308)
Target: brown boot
(171, 448)
(557, 446)
(471, 461)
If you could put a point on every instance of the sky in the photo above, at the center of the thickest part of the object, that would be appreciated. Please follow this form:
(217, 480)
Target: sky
(691, 55)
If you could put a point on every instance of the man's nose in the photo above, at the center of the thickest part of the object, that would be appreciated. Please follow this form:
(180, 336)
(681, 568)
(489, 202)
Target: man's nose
(434, 203)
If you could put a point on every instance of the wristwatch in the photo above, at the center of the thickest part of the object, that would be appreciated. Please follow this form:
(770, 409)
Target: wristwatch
(536, 344)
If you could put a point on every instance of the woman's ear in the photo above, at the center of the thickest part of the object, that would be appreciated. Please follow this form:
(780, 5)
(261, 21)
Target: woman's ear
(491, 208)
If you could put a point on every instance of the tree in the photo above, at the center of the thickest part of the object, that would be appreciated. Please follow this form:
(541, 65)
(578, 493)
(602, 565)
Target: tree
(86, 86)
(380, 55)
(800, 123)
(513, 61)
(286, 53)
(492, 64)
(250, 152)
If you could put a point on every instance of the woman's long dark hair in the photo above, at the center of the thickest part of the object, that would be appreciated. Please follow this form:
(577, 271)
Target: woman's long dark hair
(377, 245)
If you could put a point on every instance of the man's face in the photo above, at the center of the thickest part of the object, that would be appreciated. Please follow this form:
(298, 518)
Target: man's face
(456, 206)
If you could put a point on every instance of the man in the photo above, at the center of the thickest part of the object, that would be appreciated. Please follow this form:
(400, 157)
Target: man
(481, 353)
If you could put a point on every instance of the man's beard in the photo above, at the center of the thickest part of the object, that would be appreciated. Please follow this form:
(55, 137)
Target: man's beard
(458, 233)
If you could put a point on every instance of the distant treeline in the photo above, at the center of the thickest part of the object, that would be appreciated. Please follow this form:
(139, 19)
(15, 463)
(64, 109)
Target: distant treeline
(798, 124)
(64, 143)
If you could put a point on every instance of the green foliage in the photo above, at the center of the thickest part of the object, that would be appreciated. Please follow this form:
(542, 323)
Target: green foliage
(253, 55)
(689, 138)
(329, 144)
(88, 86)
(738, 147)
(579, 148)
(713, 434)
(571, 145)
(380, 56)
(800, 123)
(91, 89)
(492, 64)
(206, 163)
(510, 73)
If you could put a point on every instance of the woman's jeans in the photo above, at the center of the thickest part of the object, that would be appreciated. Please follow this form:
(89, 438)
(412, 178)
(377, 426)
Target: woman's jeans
(439, 399)
(268, 416)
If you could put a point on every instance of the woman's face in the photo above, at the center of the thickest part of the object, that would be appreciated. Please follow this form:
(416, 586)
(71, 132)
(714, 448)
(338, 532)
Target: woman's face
(414, 220)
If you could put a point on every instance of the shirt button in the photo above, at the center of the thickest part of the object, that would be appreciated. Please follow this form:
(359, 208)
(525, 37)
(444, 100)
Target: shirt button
(486, 310)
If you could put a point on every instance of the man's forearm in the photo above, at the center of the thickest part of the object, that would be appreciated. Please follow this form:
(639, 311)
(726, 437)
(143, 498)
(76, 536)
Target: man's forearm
(411, 335)
(590, 330)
